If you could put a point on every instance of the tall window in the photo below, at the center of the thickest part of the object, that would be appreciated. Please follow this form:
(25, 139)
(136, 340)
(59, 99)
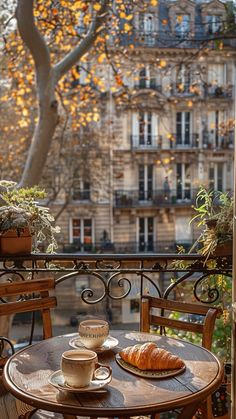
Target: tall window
(147, 28)
(216, 75)
(217, 176)
(146, 78)
(213, 23)
(144, 129)
(145, 182)
(81, 190)
(215, 120)
(183, 80)
(82, 233)
(182, 25)
(146, 234)
(183, 126)
(183, 181)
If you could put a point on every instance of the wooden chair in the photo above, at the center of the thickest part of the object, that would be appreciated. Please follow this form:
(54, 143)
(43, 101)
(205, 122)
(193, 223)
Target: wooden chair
(151, 316)
(31, 296)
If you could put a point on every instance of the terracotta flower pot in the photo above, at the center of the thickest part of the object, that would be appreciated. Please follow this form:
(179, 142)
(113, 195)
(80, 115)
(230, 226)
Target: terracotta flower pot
(224, 249)
(14, 243)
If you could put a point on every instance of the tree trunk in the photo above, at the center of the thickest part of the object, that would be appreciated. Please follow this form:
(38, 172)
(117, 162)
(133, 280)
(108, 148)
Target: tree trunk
(41, 142)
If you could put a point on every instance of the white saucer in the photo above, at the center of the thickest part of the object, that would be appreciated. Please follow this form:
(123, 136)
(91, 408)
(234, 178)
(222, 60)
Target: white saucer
(109, 343)
(57, 380)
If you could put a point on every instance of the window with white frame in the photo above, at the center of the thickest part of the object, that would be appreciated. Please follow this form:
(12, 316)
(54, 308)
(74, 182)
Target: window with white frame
(217, 176)
(145, 232)
(213, 23)
(183, 181)
(147, 27)
(215, 121)
(82, 233)
(182, 25)
(145, 172)
(216, 78)
(81, 190)
(147, 78)
(183, 129)
(144, 129)
(183, 79)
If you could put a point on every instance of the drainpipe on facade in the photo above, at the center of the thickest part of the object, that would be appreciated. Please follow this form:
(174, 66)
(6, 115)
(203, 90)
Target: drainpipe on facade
(233, 385)
(110, 136)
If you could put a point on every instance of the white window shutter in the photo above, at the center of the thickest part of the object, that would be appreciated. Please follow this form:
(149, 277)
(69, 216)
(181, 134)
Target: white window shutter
(135, 128)
(155, 128)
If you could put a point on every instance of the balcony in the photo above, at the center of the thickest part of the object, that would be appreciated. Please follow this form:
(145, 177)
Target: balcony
(126, 247)
(184, 141)
(154, 198)
(165, 38)
(213, 141)
(110, 287)
(182, 89)
(148, 142)
(218, 92)
(148, 84)
(81, 195)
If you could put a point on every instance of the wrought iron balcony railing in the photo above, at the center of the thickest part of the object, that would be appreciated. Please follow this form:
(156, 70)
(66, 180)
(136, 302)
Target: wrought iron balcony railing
(81, 195)
(146, 142)
(158, 198)
(148, 84)
(122, 272)
(218, 91)
(184, 141)
(95, 285)
(182, 89)
(126, 247)
(214, 140)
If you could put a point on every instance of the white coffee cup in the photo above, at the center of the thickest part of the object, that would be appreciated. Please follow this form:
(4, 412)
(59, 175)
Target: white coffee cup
(80, 366)
(93, 333)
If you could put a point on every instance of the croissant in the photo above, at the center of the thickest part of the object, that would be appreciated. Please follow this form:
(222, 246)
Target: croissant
(148, 356)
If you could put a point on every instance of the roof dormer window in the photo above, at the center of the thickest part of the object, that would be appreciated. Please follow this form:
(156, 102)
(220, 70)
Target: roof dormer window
(213, 24)
(182, 25)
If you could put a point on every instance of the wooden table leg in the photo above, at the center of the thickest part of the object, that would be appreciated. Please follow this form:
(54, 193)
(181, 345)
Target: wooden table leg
(188, 411)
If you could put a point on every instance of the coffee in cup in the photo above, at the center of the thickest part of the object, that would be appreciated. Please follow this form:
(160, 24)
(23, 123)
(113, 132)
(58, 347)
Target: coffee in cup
(93, 333)
(80, 366)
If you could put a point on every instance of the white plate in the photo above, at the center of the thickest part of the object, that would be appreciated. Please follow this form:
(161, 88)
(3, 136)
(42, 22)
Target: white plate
(148, 373)
(57, 380)
(109, 343)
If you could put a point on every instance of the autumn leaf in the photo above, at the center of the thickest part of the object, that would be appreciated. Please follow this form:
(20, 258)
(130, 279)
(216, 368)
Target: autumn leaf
(101, 58)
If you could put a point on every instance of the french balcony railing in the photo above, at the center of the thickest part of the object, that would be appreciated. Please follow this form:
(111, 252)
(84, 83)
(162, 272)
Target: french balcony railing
(157, 198)
(146, 142)
(182, 89)
(212, 140)
(218, 91)
(184, 141)
(115, 277)
(151, 246)
(81, 195)
(148, 84)
(166, 38)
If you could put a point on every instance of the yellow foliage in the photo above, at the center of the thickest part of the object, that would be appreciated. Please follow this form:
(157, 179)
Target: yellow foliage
(97, 7)
(101, 58)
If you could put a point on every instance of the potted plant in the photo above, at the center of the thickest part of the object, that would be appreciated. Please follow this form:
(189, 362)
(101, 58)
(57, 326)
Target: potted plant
(214, 213)
(24, 224)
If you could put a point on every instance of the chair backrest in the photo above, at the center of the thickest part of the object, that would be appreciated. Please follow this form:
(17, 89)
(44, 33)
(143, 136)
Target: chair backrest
(32, 296)
(150, 316)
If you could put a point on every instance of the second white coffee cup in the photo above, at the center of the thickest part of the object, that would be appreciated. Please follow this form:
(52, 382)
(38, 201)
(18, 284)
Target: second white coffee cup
(80, 366)
(93, 333)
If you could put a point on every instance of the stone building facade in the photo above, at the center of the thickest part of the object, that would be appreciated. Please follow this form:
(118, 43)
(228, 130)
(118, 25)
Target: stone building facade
(175, 133)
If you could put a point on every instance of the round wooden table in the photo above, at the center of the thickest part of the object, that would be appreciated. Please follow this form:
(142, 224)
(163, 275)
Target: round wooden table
(26, 376)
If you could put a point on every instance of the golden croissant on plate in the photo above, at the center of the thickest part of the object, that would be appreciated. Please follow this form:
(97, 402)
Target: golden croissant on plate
(148, 356)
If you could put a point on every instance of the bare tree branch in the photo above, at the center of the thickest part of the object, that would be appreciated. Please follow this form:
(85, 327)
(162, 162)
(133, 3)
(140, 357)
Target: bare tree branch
(33, 39)
(74, 56)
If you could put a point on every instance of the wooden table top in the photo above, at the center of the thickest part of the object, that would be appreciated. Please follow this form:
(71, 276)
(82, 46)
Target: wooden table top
(26, 376)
